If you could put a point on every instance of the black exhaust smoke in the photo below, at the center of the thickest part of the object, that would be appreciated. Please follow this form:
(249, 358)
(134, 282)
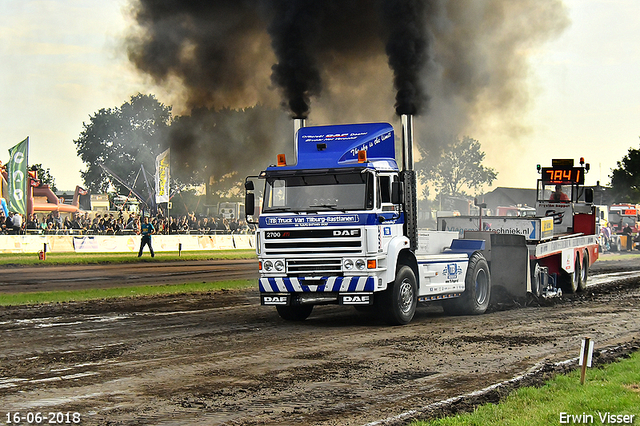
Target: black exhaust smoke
(468, 57)
(293, 32)
(407, 48)
(216, 47)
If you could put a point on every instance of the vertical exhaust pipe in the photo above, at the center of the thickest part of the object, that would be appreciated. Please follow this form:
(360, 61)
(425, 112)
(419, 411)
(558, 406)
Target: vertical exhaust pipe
(407, 141)
(298, 123)
(410, 183)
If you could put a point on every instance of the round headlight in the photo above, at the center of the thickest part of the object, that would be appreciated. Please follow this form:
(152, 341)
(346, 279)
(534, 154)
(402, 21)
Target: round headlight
(268, 265)
(348, 264)
(360, 264)
(279, 265)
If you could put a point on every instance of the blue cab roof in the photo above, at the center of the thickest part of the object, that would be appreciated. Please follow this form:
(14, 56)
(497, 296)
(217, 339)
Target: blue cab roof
(336, 146)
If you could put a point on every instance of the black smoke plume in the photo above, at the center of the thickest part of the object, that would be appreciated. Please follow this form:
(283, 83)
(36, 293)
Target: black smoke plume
(463, 64)
(217, 49)
(293, 39)
(407, 48)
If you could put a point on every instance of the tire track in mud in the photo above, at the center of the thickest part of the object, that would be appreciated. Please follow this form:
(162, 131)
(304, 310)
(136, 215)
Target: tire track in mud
(220, 358)
(73, 277)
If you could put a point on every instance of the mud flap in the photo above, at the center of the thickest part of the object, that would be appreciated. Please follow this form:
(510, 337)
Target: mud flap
(355, 299)
(275, 299)
(508, 258)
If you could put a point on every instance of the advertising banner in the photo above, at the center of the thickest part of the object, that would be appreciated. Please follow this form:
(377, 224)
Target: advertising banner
(162, 177)
(17, 173)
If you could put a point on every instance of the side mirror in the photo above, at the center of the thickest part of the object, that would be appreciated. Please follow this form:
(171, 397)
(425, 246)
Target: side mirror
(250, 199)
(250, 204)
(396, 192)
(588, 195)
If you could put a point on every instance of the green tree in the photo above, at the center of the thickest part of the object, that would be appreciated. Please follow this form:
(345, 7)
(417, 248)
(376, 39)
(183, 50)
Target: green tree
(625, 179)
(221, 147)
(44, 176)
(123, 139)
(458, 169)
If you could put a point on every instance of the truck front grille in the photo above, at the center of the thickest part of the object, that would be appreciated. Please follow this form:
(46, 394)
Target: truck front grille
(312, 241)
(314, 267)
(303, 248)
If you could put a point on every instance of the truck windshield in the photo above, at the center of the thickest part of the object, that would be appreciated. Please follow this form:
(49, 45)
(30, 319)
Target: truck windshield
(616, 218)
(319, 192)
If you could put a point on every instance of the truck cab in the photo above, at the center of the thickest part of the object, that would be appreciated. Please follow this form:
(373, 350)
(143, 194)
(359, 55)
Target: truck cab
(336, 227)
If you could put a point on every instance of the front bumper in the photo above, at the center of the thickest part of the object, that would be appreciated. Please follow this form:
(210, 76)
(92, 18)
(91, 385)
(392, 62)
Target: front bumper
(322, 285)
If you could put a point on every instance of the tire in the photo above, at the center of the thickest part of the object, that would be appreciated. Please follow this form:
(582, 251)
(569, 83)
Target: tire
(365, 309)
(399, 301)
(584, 272)
(571, 281)
(295, 312)
(477, 293)
(536, 287)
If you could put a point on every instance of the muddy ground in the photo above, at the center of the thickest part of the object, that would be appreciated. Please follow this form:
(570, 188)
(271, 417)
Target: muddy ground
(220, 358)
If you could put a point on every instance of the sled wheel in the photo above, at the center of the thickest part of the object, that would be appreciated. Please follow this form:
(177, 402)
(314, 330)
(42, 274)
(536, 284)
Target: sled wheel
(584, 272)
(571, 281)
(536, 285)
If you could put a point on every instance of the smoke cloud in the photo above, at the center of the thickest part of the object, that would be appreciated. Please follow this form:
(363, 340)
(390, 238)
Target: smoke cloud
(462, 65)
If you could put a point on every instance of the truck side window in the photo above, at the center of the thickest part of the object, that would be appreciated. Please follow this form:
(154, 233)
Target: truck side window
(385, 189)
(369, 194)
(384, 183)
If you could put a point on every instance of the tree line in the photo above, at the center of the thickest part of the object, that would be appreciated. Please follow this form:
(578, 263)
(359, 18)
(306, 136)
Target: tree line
(218, 148)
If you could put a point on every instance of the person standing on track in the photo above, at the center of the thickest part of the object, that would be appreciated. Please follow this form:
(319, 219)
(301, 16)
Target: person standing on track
(146, 229)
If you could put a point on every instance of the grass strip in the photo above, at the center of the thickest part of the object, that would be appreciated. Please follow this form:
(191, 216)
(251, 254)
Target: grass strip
(13, 299)
(11, 259)
(612, 390)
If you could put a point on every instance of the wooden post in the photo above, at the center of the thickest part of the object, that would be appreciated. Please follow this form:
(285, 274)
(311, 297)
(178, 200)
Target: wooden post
(585, 357)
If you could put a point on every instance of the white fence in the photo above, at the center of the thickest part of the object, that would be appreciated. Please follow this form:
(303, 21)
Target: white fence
(121, 243)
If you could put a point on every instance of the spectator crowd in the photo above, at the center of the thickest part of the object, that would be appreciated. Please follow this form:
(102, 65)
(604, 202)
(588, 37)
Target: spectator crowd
(118, 223)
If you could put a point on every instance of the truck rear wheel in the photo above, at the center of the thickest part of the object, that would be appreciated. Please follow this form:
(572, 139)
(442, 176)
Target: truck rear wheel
(294, 312)
(477, 293)
(399, 301)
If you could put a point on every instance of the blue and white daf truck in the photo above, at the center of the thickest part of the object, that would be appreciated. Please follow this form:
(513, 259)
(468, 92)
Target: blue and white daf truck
(337, 225)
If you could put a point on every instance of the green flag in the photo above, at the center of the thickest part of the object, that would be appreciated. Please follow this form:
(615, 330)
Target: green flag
(18, 178)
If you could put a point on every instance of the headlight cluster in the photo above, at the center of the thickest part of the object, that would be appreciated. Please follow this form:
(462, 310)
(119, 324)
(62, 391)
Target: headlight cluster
(269, 266)
(350, 264)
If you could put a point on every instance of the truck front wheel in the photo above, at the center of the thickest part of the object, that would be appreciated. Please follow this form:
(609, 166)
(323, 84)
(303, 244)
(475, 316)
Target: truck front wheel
(477, 293)
(295, 312)
(399, 301)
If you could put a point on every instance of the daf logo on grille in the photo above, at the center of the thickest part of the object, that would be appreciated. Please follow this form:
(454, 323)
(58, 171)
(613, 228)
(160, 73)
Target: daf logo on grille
(346, 233)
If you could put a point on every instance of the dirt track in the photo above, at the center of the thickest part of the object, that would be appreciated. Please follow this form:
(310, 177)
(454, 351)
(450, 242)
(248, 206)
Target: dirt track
(48, 278)
(220, 358)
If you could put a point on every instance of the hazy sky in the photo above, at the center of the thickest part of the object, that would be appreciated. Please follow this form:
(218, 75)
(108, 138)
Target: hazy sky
(61, 61)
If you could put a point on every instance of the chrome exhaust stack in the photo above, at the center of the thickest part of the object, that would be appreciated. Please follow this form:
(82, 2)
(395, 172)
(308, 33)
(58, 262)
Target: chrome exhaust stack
(407, 141)
(298, 123)
(408, 176)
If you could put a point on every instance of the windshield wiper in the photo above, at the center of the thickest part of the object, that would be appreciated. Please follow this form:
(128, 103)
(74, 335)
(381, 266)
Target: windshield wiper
(278, 209)
(327, 206)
